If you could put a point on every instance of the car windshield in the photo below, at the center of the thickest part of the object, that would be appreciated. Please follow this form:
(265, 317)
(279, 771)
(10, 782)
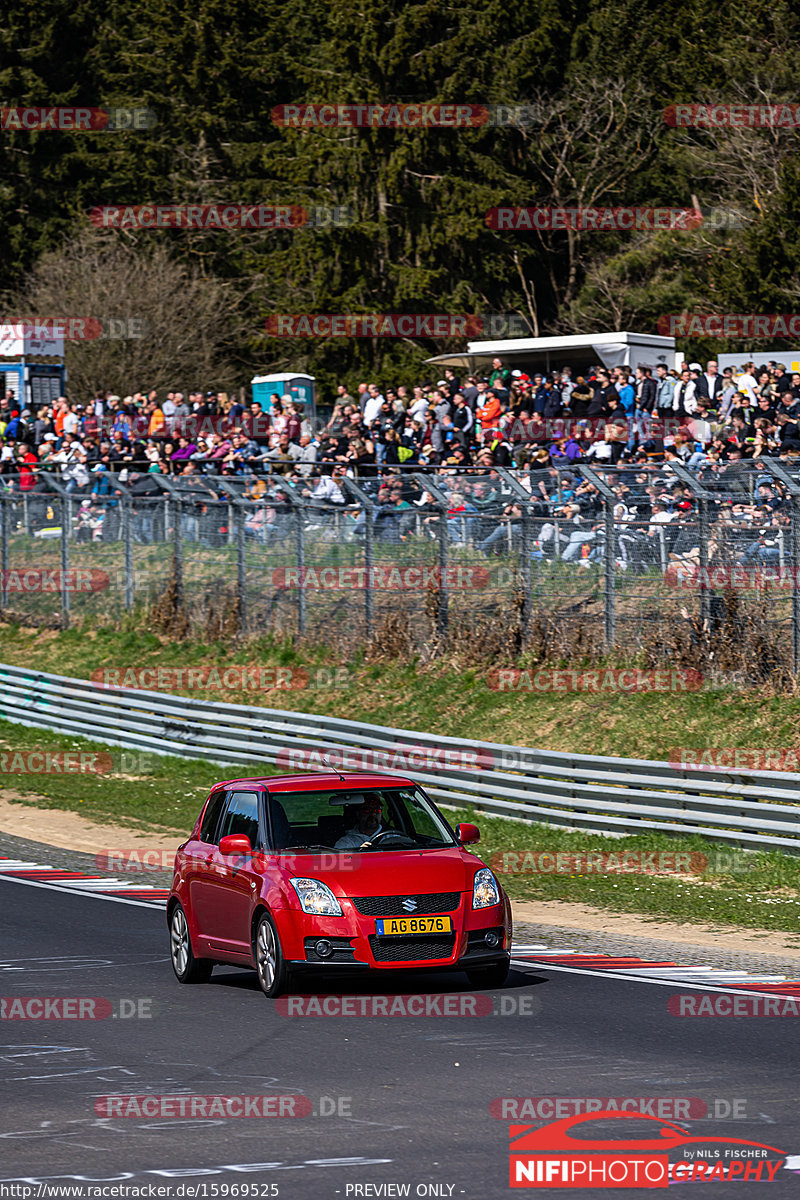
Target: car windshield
(368, 819)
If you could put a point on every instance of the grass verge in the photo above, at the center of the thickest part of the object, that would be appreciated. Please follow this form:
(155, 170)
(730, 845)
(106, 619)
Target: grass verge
(154, 793)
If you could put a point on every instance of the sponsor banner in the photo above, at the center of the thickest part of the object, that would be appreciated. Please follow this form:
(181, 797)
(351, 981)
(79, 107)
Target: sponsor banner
(381, 577)
(592, 220)
(606, 681)
(730, 325)
(185, 1107)
(204, 679)
(739, 577)
(399, 758)
(396, 325)
(218, 216)
(390, 115)
(736, 758)
(428, 1004)
(38, 579)
(73, 1008)
(732, 116)
(627, 862)
(58, 762)
(72, 119)
(725, 1004)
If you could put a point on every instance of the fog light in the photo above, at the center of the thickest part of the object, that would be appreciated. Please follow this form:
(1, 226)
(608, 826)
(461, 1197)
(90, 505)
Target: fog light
(323, 948)
(492, 939)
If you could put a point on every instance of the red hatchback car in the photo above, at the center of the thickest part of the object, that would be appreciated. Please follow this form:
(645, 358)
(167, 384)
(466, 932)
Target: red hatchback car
(352, 872)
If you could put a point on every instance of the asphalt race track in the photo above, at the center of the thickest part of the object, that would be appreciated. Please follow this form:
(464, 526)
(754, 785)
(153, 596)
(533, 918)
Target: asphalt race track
(409, 1097)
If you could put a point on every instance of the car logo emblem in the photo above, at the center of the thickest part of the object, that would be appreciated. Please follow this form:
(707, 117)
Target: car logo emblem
(409, 905)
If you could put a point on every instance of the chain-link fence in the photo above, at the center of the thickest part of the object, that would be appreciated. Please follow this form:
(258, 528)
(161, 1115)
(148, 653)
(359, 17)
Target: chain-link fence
(577, 559)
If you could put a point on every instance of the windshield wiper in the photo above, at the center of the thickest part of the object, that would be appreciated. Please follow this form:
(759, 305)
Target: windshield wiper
(292, 849)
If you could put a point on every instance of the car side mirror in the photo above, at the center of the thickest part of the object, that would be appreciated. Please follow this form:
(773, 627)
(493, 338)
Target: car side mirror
(235, 843)
(468, 834)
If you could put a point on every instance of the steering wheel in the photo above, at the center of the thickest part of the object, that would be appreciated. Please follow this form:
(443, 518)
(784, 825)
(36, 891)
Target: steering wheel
(387, 833)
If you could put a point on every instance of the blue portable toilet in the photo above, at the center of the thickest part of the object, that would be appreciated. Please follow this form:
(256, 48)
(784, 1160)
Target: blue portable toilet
(300, 387)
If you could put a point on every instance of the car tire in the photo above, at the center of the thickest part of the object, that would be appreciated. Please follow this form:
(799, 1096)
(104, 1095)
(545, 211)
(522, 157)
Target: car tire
(489, 977)
(274, 976)
(187, 968)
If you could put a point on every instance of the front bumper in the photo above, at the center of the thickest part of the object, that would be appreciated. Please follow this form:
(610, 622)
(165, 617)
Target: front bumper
(365, 950)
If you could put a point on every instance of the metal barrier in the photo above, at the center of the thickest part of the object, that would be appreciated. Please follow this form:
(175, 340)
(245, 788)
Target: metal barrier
(604, 557)
(599, 795)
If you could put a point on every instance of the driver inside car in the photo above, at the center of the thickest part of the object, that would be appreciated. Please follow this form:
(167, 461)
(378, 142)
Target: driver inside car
(367, 825)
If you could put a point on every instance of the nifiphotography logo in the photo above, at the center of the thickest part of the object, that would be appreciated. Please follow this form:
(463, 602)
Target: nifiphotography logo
(579, 1152)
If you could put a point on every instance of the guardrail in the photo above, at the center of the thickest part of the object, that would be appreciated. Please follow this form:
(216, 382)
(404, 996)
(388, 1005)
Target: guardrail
(574, 791)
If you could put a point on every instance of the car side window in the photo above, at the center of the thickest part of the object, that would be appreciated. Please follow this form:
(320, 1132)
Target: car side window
(241, 816)
(211, 817)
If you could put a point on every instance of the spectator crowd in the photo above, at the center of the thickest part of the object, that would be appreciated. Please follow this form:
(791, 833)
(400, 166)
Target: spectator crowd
(459, 430)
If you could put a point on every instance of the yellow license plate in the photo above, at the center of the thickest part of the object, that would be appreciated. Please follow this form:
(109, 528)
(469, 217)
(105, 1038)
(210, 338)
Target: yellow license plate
(398, 926)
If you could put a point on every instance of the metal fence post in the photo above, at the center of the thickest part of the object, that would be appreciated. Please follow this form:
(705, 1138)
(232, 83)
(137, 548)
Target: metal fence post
(523, 498)
(4, 536)
(177, 550)
(127, 542)
(705, 591)
(241, 566)
(610, 589)
(779, 471)
(300, 563)
(442, 607)
(369, 549)
(66, 521)
(610, 579)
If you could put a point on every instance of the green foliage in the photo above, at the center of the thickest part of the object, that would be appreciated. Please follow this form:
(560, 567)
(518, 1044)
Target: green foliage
(598, 75)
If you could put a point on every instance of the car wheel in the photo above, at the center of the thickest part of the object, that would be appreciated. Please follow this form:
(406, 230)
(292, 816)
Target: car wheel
(187, 968)
(274, 976)
(489, 977)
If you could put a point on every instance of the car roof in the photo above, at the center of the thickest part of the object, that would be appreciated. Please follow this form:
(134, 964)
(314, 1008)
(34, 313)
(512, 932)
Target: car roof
(326, 780)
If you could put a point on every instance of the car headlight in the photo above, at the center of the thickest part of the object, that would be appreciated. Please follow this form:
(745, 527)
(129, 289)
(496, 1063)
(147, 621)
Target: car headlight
(316, 898)
(485, 891)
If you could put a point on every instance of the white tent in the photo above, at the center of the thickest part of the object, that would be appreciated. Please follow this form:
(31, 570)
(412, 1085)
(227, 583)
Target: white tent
(578, 351)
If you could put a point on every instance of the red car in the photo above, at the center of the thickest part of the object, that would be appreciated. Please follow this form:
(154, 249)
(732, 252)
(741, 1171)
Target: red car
(333, 872)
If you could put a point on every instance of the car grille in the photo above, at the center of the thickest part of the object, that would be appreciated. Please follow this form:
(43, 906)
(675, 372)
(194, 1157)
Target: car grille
(392, 906)
(391, 949)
